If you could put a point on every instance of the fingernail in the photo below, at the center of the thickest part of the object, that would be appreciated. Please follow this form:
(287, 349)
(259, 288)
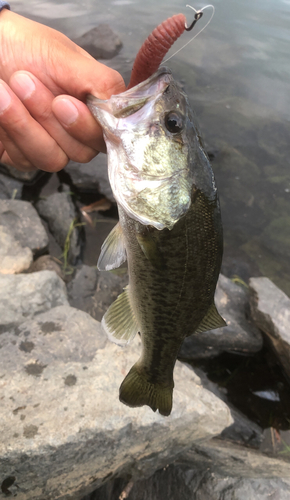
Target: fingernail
(22, 85)
(5, 98)
(65, 111)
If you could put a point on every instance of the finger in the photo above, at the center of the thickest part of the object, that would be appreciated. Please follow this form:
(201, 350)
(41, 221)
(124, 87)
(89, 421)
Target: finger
(77, 119)
(11, 155)
(38, 100)
(27, 135)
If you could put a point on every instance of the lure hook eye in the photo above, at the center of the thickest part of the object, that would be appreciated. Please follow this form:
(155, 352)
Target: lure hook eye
(197, 17)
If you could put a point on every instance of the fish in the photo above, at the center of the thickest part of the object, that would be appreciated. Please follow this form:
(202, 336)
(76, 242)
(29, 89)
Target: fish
(169, 231)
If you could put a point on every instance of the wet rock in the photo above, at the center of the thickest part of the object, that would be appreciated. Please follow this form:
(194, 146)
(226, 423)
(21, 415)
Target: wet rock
(238, 336)
(13, 257)
(92, 176)
(79, 433)
(270, 309)
(25, 295)
(23, 223)
(46, 263)
(59, 212)
(188, 483)
(101, 42)
(10, 188)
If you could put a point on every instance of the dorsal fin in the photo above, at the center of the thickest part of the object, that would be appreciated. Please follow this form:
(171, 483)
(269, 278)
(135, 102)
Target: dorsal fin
(211, 320)
(113, 251)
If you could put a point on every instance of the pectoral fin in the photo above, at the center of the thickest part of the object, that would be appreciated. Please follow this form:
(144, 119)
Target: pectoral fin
(119, 321)
(211, 320)
(150, 250)
(113, 252)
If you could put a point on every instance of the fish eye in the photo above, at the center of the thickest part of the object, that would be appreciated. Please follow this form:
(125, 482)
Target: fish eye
(174, 122)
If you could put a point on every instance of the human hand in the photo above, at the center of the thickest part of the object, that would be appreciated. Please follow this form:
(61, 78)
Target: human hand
(44, 80)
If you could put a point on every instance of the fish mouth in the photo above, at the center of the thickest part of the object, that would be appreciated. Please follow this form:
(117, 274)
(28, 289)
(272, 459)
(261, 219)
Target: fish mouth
(132, 100)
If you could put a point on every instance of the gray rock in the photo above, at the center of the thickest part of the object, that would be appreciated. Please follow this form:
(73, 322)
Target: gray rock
(94, 291)
(81, 289)
(23, 223)
(270, 309)
(10, 188)
(91, 176)
(181, 482)
(25, 295)
(238, 336)
(13, 257)
(27, 177)
(224, 458)
(101, 42)
(64, 430)
(109, 286)
(46, 263)
(242, 431)
(59, 212)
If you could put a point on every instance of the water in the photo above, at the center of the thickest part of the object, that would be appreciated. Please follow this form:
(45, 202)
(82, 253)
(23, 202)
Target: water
(236, 74)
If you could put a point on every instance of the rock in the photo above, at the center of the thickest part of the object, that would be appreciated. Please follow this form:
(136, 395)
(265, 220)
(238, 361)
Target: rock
(188, 483)
(81, 289)
(13, 257)
(10, 188)
(64, 431)
(45, 262)
(224, 458)
(217, 487)
(25, 295)
(26, 177)
(101, 42)
(59, 212)
(91, 176)
(94, 291)
(238, 336)
(109, 286)
(23, 223)
(270, 309)
(242, 430)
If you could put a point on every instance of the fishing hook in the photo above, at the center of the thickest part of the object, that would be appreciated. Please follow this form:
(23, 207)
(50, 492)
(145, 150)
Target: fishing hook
(197, 16)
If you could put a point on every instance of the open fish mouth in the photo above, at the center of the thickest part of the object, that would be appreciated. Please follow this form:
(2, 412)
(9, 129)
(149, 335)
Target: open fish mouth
(132, 100)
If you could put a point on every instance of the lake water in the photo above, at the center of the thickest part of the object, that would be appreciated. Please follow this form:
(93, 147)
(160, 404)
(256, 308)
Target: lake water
(237, 75)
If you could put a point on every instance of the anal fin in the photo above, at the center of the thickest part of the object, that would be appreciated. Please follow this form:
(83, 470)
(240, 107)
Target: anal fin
(211, 320)
(119, 321)
(113, 251)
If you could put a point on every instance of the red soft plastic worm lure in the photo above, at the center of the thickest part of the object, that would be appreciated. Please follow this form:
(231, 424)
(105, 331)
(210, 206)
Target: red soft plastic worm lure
(157, 45)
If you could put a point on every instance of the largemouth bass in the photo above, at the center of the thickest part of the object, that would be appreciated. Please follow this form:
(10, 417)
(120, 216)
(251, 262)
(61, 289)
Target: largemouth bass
(169, 231)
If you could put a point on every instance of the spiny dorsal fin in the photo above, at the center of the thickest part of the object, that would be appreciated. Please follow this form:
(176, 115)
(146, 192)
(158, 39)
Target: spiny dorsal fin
(119, 321)
(211, 320)
(113, 252)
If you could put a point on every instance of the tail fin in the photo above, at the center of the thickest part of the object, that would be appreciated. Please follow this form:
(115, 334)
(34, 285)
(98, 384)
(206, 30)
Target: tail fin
(136, 390)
